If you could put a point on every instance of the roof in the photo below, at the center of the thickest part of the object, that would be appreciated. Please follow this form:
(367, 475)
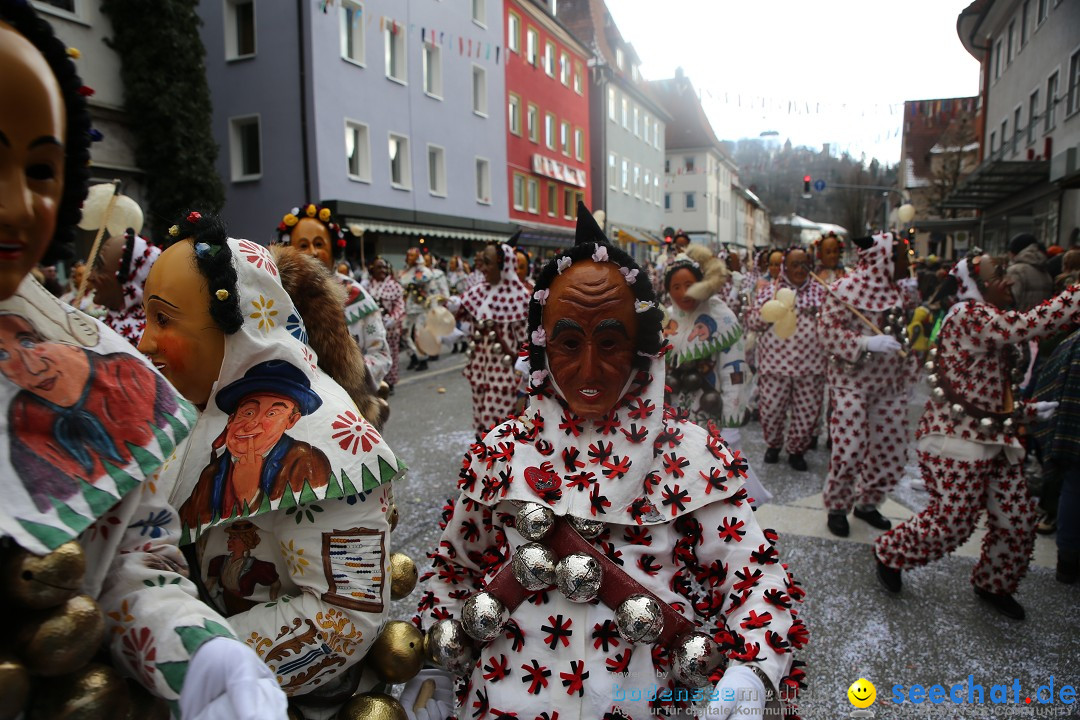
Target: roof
(689, 126)
(997, 180)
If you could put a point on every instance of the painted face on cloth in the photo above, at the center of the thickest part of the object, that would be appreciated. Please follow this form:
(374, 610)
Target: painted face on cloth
(592, 327)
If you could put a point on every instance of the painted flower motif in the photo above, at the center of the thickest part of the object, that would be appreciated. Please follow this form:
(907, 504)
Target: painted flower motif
(600, 255)
(630, 275)
(541, 296)
(294, 558)
(139, 652)
(264, 313)
(563, 263)
(537, 378)
(353, 432)
(539, 337)
(155, 524)
(295, 325)
(121, 617)
(258, 256)
(643, 306)
(310, 359)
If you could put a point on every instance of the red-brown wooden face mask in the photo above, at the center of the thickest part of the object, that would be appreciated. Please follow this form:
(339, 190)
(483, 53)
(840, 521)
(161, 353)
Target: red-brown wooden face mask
(592, 328)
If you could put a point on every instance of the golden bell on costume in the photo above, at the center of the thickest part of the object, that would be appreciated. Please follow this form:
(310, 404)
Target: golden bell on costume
(403, 575)
(96, 692)
(14, 687)
(40, 582)
(372, 706)
(63, 639)
(398, 653)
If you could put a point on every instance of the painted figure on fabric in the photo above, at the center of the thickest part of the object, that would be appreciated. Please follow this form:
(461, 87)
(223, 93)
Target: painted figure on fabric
(119, 274)
(238, 573)
(969, 450)
(630, 484)
(870, 380)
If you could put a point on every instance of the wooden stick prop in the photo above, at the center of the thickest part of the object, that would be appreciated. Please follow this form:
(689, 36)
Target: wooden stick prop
(849, 306)
(96, 247)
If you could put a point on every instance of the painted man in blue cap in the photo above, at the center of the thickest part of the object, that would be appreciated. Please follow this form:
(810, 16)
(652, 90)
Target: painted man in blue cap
(259, 461)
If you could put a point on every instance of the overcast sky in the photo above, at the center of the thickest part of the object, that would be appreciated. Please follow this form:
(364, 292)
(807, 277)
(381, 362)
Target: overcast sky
(835, 71)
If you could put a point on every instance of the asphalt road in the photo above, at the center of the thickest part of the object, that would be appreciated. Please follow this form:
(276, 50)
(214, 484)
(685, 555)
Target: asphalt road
(935, 632)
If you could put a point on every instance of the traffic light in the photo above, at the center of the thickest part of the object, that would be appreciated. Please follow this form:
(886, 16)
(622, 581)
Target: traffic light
(669, 235)
(806, 184)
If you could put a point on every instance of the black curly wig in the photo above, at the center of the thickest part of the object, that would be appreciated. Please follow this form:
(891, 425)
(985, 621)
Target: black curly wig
(21, 16)
(681, 264)
(650, 322)
(213, 260)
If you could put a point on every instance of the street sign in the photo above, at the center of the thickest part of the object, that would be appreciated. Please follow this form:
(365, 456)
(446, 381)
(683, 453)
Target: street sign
(819, 185)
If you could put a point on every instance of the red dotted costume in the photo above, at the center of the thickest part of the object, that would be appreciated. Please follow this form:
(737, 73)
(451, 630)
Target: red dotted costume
(391, 298)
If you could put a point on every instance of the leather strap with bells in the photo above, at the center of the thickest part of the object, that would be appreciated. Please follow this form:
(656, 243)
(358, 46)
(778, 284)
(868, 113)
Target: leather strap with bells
(615, 587)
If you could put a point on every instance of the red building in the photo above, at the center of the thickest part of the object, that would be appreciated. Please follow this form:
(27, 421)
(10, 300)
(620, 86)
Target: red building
(547, 129)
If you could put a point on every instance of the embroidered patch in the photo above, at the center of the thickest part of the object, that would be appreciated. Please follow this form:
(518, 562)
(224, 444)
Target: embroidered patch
(353, 563)
(544, 481)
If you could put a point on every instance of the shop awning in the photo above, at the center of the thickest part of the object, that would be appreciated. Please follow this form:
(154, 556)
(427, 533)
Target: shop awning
(997, 180)
(546, 236)
(434, 231)
(634, 235)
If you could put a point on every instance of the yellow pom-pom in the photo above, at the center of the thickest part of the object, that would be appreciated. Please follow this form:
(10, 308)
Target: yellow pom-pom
(174, 230)
(74, 53)
(222, 295)
(291, 220)
(310, 210)
(324, 214)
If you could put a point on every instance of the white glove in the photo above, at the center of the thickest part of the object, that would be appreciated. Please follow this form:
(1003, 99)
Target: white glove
(908, 283)
(740, 693)
(453, 303)
(1045, 409)
(440, 703)
(882, 344)
(732, 437)
(226, 680)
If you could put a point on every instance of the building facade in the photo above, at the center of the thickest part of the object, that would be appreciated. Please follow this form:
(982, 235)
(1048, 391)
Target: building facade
(547, 125)
(383, 111)
(627, 130)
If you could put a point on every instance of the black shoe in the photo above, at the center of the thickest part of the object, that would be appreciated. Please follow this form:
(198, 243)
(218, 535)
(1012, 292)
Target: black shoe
(889, 578)
(772, 455)
(421, 366)
(1068, 566)
(1004, 603)
(433, 358)
(813, 443)
(391, 389)
(874, 518)
(453, 350)
(838, 524)
(413, 362)
(796, 461)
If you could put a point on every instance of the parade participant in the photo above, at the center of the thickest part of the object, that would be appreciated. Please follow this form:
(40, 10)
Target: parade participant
(870, 381)
(523, 260)
(87, 304)
(119, 273)
(1027, 269)
(661, 511)
(416, 280)
(440, 285)
(498, 311)
(830, 254)
(969, 451)
(277, 444)
(457, 275)
(89, 552)
(790, 362)
(388, 293)
(313, 231)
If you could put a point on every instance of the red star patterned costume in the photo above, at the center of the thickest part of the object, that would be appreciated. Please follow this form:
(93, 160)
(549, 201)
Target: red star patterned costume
(869, 392)
(790, 370)
(970, 456)
(676, 519)
(139, 257)
(391, 299)
(498, 316)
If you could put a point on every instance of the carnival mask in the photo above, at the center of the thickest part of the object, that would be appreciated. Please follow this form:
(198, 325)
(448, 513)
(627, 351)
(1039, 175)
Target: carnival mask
(311, 237)
(796, 267)
(829, 252)
(591, 330)
(107, 290)
(681, 280)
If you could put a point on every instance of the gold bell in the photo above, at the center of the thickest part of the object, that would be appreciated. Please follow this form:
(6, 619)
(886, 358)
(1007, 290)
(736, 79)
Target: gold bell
(14, 687)
(392, 517)
(143, 705)
(372, 706)
(402, 575)
(43, 581)
(398, 653)
(96, 692)
(61, 640)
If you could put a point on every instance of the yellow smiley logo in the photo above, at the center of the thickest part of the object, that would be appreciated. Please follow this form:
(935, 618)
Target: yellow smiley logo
(862, 693)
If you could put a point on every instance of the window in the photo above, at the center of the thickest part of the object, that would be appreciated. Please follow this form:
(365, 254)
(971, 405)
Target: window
(479, 90)
(579, 144)
(612, 170)
(993, 141)
(619, 58)
(637, 180)
(656, 135)
(436, 161)
(998, 48)
(1043, 8)
(483, 181)
(624, 176)
(1004, 133)
(394, 40)
(564, 137)
(625, 113)
(690, 201)
(1016, 127)
(637, 122)
(245, 148)
(533, 187)
(688, 164)
(532, 43)
(400, 167)
(519, 192)
(552, 199)
(667, 165)
(432, 70)
(352, 31)
(612, 104)
(357, 151)
(568, 204)
(645, 126)
(656, 189)
(1051, 102)
(513, 117)
(549, 59)
(667, 201)
(1033, 116)
(549, 131)
(1025, 10)
(1011, 41)
(647, 186)
(239, 29)
(578, 83)
(1073, 103)
(479, 12)
(564, 69)
(513, 32)
(69, 6)
(532, 122)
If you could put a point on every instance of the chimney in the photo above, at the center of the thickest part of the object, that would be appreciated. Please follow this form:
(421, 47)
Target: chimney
(679, 72)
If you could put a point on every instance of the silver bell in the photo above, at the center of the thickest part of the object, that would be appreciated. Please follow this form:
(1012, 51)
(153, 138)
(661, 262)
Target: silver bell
(534, 521)
(1007, 423)
(933, 352)
(450, 647)
(939, 393)
(534, 566)
(639, 619)
(929, 366)
(958, 409)
(508, 360)
(932, 378)
(483, 616)
(694, 658)
(492, 335)
(578, 576)
(585, 527)
(887, 330)
(477, 335)
(986, 422)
